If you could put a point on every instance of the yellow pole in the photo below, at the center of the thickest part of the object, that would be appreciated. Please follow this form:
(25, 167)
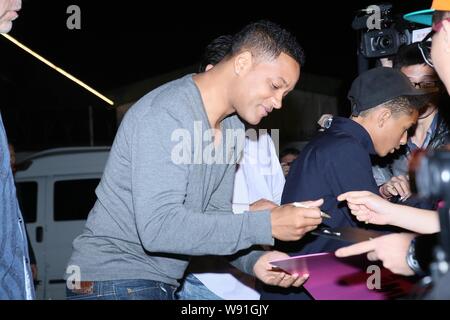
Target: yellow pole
(51, 65)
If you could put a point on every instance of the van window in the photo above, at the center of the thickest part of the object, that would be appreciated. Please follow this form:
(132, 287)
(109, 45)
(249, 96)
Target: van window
(73, 199)
(27, 198)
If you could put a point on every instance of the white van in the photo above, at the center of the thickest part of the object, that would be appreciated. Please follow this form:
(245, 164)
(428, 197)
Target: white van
(56, 189)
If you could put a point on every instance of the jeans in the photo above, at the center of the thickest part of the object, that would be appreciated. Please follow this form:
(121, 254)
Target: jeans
(122, 290)
(194, 289)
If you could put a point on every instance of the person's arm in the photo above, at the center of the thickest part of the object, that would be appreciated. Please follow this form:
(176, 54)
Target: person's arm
(350, 169)
(391, 249)
(159, 185)
(402, 253)
(371, 208)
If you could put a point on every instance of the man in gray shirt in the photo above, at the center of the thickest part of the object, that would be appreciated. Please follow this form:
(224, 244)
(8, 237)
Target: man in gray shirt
(166, 191)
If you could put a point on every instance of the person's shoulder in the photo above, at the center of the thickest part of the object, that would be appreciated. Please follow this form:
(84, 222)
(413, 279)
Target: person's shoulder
(170, 98)
(335, 144)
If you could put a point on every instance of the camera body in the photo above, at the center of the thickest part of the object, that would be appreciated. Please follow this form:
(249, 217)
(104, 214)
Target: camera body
(381, 33)
(383, 43)
(431, 172)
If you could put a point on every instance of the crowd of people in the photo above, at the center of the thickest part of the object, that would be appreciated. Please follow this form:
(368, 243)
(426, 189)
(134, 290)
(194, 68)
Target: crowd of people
(192, 222)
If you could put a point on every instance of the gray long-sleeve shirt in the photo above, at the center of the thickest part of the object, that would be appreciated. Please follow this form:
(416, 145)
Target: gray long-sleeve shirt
(153, 212)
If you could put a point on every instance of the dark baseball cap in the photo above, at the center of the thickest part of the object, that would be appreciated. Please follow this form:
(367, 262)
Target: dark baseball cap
(379, 85)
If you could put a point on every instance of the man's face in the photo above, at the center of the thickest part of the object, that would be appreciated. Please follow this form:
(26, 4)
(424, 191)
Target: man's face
(391, 133)
(262, 85)
(440, 53)
(286, 162)
(8, 13)
(423, 76)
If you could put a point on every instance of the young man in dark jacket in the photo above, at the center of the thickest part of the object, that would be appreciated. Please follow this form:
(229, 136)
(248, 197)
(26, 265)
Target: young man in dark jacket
(384, 106)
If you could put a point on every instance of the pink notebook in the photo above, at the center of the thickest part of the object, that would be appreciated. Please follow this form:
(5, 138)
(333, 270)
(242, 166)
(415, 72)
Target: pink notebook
(333, 278)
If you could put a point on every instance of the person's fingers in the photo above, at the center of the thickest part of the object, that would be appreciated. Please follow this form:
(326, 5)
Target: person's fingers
(312, 222)
(309, 214)
(287, 281)
(281, 277)
(352, 194)
(363, 217)
(359, 199)
(312, 204)
(274, 277)
(372, 256)
(391, 189)
(310, 228)
(358, 209)
(300, 280)
(356, 249)
(400, 188)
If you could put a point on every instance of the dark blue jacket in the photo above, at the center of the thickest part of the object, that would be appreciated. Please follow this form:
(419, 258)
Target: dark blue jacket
(334, 162)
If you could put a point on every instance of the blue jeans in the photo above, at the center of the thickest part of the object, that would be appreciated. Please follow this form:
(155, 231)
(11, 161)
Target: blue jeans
(122, 290)
(194, 289)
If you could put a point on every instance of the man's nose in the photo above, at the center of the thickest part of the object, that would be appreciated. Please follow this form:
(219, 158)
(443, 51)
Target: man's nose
(276, 102)
(404, 139)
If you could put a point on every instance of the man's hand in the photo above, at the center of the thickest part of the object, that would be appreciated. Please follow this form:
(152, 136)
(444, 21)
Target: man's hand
(290, 223)
(368, 207)
(263, 271)
(262, 204)
(396, 186)
(390, 249)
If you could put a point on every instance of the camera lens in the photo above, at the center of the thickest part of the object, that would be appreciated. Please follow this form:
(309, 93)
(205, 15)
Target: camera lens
(385, 42)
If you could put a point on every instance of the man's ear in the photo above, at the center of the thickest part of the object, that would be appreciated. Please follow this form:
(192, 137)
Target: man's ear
(242, 62)
(383, 116)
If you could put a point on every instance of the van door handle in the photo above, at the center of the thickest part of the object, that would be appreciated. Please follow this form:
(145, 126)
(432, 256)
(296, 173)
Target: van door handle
(39, 234)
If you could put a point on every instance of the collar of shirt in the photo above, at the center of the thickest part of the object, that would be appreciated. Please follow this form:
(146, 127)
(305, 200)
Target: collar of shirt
(354, 129)
(430, 132)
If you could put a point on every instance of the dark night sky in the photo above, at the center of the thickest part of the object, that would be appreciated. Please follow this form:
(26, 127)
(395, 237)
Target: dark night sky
(121, 42)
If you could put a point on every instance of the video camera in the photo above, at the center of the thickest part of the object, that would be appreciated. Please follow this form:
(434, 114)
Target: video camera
(381, 33)
(430, 176)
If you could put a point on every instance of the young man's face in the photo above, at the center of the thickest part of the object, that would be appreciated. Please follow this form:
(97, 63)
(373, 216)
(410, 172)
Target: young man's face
(262, 85)
(423, 76)
(8, 13)
(392, 132)
(440, 53)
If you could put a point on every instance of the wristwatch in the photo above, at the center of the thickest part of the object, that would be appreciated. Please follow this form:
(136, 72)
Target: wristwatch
(411, 259)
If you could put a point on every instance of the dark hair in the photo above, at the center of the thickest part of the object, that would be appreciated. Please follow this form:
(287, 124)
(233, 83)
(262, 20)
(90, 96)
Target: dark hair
(402, 105)
(408, 55)
(268, 39)
(287, 151)
(215, 51)
(438, 16)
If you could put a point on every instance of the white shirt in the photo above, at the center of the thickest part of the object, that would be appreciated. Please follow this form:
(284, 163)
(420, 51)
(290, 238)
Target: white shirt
(259, 176)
